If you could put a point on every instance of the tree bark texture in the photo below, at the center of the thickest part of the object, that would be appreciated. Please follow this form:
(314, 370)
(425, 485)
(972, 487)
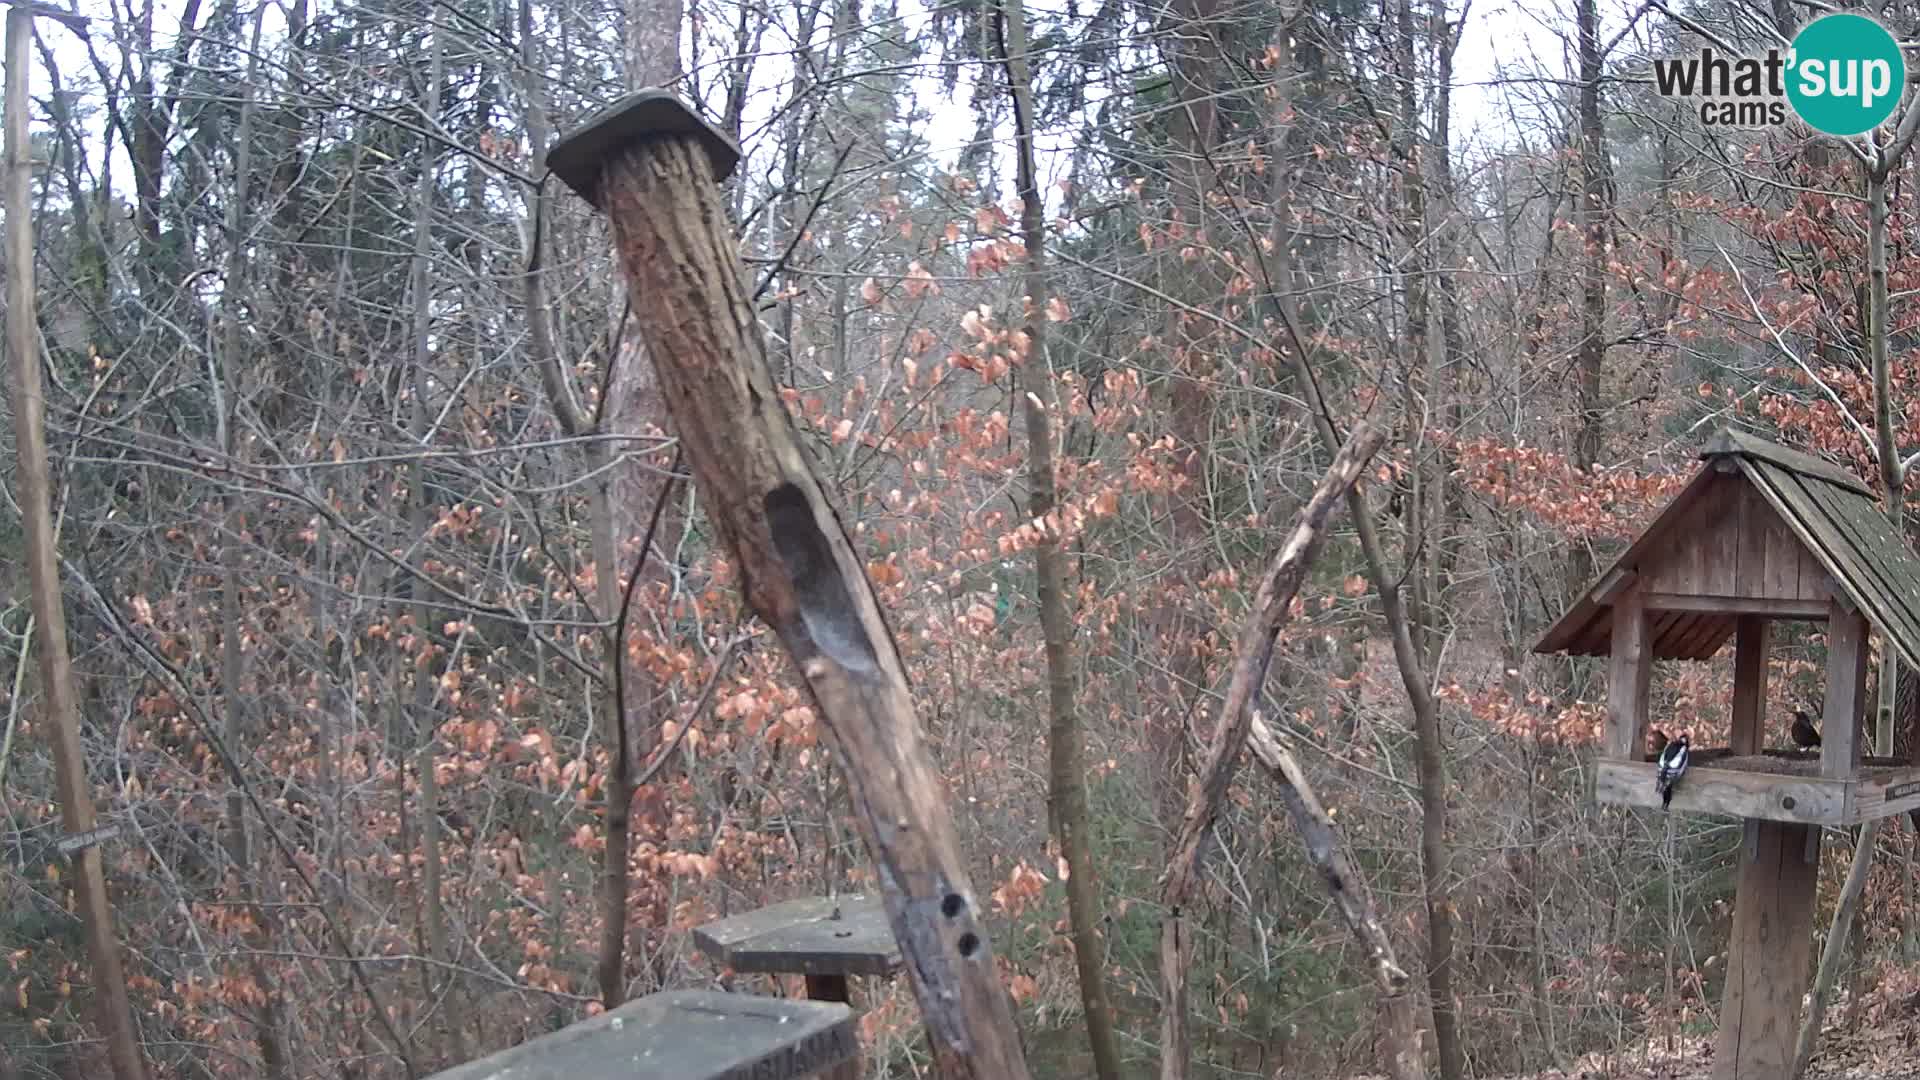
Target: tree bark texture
(801, 575)
(235, 297)
(1253, 652)
(1187, 38)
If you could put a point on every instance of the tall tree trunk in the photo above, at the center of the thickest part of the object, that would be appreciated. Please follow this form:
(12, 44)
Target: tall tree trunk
(625, 498)
(1887, 426)
(418, 720)
(1591, 357)
(625, 689)
(1411, 158)
(1444, 343)
(1194, 56)
(34, 495)
(1066, 784)
(653, 42)
(235, 300)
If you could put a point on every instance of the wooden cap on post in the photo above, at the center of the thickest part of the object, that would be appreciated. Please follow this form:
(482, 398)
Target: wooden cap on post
(580, 155)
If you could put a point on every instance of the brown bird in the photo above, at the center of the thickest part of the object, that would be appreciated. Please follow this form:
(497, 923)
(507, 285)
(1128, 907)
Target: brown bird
(1805, 735)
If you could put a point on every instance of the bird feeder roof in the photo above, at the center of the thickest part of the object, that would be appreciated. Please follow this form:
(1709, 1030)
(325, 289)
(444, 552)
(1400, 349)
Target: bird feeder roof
(1760, 529)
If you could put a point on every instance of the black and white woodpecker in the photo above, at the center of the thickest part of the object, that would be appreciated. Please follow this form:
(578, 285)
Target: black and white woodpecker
(1673, 765)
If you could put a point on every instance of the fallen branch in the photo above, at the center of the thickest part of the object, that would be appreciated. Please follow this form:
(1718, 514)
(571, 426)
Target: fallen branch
(1253, 652)
(1350, 894)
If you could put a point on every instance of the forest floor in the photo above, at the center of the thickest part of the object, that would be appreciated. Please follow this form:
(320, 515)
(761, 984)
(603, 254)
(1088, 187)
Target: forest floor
(1879, 1041)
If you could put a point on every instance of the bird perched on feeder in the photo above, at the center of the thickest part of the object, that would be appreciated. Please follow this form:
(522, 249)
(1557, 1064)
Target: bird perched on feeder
(1673, 765)
(1805, 735)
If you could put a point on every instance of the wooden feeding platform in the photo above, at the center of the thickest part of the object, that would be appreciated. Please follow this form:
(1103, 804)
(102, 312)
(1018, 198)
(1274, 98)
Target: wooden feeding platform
(826, 939)
(1761, 534)
(683, 1035)
(1775, 785)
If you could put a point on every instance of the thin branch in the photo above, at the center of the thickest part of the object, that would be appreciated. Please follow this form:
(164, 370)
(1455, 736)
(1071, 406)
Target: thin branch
(1754, 305)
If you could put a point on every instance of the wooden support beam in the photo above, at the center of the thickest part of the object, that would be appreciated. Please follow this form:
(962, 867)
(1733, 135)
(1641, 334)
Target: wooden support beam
(1629, 674)
(651, 165)
(1812, 610)
(834, 988)
(1612, 584)
(1843, 718)
(1810, 800)
(1750, 642)
(1768, 959)
(1881, 797)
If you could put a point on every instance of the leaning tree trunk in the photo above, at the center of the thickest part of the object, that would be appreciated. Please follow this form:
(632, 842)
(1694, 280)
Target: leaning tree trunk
(1350, 894)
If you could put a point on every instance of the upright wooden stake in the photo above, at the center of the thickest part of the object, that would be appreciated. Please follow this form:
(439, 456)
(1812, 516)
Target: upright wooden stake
(1767, 960)
(61, 705)
(651, 164)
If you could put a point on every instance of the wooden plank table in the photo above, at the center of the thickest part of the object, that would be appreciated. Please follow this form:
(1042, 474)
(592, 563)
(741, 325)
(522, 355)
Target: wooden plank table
(684, 1035)
(826, 939)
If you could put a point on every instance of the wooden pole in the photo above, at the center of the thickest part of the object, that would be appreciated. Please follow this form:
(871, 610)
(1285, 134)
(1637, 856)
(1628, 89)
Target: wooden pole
(835, 988)
(61, 704)
(1768, 957)
(652, 165)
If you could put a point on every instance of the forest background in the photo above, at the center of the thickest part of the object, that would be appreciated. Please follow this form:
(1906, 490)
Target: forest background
(355, 448)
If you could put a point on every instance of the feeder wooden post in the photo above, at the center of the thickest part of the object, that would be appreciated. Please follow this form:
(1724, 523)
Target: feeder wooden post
(1768, 959)
(653, 167)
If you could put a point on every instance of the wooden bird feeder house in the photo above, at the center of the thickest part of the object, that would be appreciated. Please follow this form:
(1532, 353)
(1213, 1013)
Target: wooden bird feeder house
(1761, 534)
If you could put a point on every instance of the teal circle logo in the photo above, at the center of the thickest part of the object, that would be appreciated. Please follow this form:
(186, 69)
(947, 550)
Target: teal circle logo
(1847, 76)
